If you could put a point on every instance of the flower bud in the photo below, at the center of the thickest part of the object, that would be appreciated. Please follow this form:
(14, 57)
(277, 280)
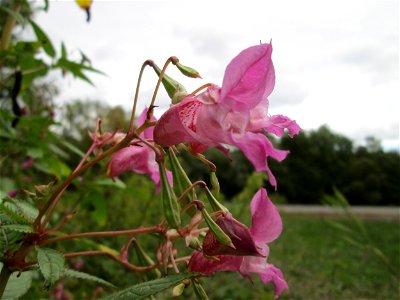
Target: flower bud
(178, 290)
(187, 71)
(193, 242)
(169, 200)
(171, 85)
(181, 181)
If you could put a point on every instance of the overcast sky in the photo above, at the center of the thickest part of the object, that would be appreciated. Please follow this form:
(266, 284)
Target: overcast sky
(337, 62)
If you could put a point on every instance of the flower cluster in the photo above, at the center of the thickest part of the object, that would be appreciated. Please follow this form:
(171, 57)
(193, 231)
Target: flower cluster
(235, 114)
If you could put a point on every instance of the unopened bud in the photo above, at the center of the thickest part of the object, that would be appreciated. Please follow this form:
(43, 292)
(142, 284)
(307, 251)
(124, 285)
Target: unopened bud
(169, 200)
(194, 243)
(171, 85)
(187, 71)
(178, 290)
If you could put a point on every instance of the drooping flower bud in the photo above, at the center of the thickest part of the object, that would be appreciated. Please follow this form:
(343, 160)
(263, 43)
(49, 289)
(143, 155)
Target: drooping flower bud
(173, 87)
(187, 71)
(239, 234)
(169, 200)
(181, 181)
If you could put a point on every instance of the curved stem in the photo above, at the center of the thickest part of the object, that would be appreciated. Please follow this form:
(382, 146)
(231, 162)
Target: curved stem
(135, 100)
(153, 99)
(200, 88)
(156, 229)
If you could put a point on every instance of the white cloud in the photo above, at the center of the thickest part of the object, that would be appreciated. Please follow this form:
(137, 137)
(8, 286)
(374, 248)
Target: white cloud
(336, 61)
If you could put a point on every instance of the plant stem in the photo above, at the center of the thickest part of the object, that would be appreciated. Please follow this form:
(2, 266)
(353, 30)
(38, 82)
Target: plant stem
(55, 197)
(156, 229)
(8, 27)
(132, 122)
(4, 276)
(200, 88)
(153, 99)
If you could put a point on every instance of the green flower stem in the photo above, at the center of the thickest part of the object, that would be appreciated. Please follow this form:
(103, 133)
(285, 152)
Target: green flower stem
(155, 229)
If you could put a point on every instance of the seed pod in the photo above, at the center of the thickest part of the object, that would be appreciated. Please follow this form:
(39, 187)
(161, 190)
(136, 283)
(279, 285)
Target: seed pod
(169, 200)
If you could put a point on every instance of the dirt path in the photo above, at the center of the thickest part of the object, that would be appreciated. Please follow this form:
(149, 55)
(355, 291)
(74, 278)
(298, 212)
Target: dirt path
(364, 212)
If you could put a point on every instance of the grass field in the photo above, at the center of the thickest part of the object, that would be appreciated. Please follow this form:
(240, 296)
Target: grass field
(321, 260)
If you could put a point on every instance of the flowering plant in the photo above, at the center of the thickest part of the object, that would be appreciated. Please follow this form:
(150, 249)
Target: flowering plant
(235, 114)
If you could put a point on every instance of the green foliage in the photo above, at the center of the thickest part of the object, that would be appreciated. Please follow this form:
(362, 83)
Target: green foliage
(146, 289)
(51, 263)
(18, 285)
(85, 276)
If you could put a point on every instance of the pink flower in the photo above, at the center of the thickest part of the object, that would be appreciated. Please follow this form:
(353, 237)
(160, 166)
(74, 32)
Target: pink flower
(137, 158)
(234, 114)
(251, 253)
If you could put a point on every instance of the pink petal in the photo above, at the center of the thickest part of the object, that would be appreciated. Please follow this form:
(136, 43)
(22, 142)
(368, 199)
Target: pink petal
(249, 78)
(148, 133)
(256, 147)
(278, 123)
(273, 273)
(177, 124)
(266, 221)
(137, 159)
(198, 263)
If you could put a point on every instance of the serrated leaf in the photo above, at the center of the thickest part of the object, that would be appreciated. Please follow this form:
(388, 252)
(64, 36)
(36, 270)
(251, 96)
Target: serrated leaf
(17, 286)
(146, 289)
(51, 263)
(85, 276)
(17, 227)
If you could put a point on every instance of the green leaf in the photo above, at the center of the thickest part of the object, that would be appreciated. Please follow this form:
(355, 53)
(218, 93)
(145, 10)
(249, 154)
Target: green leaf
(72, 148)
(85, 276)
(146, 289)
(51, 263)
(42, 37)
(17, 285)
(20, 19)
(109, 182)
(17, 227)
